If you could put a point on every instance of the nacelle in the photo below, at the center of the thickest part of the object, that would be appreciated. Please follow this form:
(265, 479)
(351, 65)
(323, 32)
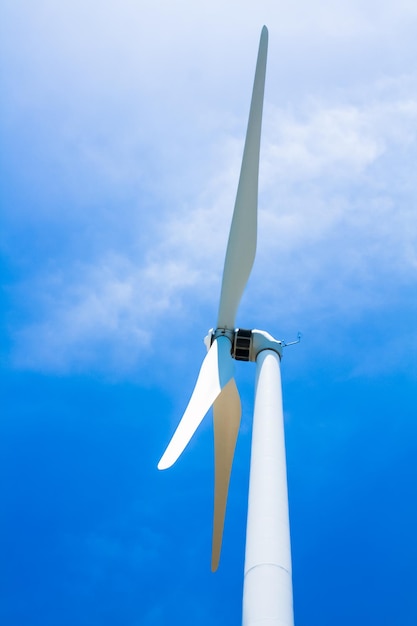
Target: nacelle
(245, 344)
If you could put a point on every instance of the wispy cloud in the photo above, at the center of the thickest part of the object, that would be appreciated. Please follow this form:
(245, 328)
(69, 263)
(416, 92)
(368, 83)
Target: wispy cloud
(330, 199)
(129, 199)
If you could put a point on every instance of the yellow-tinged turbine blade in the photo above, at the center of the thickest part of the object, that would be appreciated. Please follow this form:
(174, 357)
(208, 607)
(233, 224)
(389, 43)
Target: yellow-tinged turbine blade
(226, 412)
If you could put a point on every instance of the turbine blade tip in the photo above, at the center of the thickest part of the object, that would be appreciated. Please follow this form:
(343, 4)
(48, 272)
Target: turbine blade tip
(163, 464)
(214, 566)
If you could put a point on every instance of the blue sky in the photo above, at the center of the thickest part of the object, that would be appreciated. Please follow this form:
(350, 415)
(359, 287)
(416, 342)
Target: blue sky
(122, 127)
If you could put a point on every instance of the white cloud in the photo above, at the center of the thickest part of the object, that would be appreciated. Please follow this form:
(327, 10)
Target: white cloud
(158, 153)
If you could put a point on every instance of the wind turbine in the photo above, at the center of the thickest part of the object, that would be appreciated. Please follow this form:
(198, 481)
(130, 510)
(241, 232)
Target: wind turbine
(267, 589)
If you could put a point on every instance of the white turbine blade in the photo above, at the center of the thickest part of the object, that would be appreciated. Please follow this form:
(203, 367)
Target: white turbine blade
(241, 246)
(226, 412)
(216, 371)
